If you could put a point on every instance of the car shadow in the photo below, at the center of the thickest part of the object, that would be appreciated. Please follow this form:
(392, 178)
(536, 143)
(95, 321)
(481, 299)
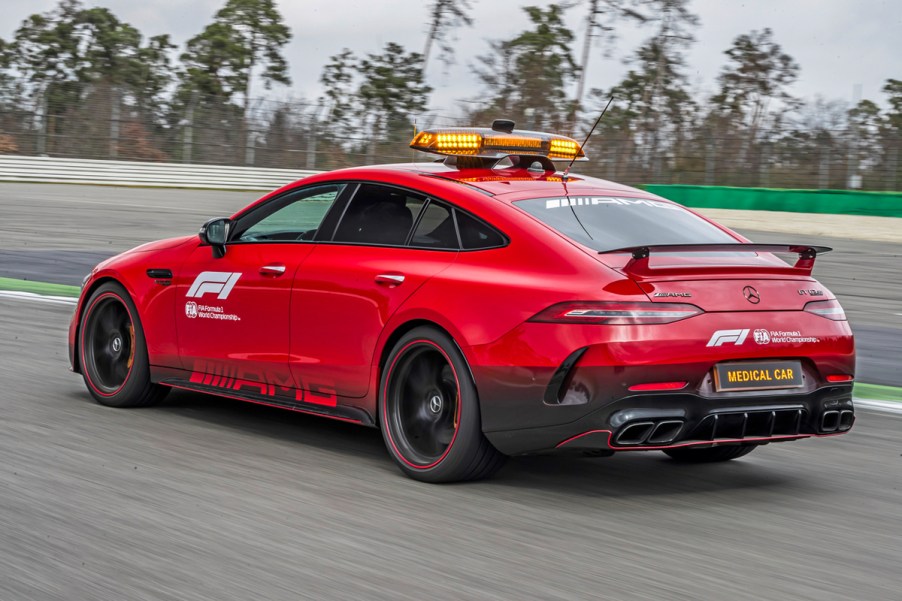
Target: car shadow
(274, 423)
(624, 475)
(650, 474)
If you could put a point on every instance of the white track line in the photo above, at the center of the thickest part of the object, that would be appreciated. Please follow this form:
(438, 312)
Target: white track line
(41, 298)
(881, 406)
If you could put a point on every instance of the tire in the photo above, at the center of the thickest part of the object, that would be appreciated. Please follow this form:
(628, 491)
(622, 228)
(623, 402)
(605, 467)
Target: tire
(113, 351)
(711, 454)
(429, 411)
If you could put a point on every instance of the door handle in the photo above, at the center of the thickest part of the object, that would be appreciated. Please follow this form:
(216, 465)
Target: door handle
(273, 270)
(390, 279)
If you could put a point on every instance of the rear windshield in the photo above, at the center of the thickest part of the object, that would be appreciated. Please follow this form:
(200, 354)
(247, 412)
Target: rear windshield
(607, 223)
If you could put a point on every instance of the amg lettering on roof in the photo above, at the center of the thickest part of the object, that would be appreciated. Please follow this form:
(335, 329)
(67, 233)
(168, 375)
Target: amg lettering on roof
(583, 201)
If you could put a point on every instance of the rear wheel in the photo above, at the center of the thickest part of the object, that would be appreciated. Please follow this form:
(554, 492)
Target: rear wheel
(113, 351)
(711, 454)
(429, 411)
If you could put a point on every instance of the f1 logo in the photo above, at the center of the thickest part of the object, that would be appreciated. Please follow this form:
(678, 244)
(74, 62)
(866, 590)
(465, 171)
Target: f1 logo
(213, 282)
(721, 337)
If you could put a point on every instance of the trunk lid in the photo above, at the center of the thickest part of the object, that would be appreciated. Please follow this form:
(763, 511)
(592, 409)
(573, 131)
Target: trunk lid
(722, 278)
(737, 294)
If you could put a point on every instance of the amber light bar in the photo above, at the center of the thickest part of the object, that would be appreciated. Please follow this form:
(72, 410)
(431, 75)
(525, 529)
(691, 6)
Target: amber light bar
(492, 144)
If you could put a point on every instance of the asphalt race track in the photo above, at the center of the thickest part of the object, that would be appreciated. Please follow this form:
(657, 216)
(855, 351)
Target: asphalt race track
(202, 498)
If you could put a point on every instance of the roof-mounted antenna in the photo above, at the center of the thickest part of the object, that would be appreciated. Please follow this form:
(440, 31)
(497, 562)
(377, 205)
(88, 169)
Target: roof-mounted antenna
(566, 173)
(503, 125)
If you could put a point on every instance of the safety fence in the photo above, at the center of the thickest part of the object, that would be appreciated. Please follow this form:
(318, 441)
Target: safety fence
(838, 202)
(177, 175)
(135, 173)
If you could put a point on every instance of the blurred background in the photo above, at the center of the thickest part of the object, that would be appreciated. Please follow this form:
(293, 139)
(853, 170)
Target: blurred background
(704, 94)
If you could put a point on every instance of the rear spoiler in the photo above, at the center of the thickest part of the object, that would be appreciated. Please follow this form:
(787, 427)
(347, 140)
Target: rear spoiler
(638, 265)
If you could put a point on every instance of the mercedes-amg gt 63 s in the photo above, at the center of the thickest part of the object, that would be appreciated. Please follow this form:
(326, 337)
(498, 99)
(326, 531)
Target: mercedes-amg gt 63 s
(481, 306)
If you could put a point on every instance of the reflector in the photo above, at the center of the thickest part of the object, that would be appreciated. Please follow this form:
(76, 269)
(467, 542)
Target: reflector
(839, 378)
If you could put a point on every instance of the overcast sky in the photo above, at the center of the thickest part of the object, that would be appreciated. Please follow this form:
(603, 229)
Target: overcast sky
(838, 43)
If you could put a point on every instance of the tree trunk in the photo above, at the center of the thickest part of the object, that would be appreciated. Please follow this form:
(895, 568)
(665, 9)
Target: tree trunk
(710, 160)
(244, 138)
(115, 115)
(41, 142)
(893, 171)
(188, 132)
(823, 180)
(311, 141)
(433, 30)
(587, 47)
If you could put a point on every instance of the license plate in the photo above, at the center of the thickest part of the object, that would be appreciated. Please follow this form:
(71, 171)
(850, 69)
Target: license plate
(770, 375)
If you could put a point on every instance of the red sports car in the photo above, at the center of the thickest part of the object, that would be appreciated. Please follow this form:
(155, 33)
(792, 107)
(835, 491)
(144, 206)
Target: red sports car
(482, 306)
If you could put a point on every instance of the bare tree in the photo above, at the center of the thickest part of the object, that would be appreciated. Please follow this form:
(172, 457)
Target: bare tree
(599, 27)
(443, 16)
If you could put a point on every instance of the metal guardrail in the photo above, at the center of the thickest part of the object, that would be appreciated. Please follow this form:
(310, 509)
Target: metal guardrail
(15, 168)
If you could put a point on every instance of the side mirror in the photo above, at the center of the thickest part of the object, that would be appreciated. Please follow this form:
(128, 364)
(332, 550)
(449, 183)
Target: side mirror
(215, 232)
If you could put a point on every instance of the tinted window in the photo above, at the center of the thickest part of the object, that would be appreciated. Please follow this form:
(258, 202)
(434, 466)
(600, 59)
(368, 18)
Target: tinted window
(379, 215)
(608, 223)
(436, 228)
(475, 234)
(294, 216)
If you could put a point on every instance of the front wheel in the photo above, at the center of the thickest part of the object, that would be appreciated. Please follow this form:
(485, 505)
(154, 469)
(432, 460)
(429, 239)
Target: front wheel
(429, 411)
(711, 454)
(113, 351)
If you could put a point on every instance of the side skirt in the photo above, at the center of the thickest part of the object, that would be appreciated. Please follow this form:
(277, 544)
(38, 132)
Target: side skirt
(263, 394)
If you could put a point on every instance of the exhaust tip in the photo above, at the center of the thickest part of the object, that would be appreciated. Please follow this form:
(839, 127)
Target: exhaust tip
(830, 421)
(846, 419)
(635, 433)
(665, 432)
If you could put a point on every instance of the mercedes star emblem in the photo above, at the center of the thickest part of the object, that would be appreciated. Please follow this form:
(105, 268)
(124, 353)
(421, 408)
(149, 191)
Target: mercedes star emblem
(751, 295)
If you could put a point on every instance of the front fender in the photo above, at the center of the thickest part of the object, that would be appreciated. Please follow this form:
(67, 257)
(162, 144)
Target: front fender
(153, 297)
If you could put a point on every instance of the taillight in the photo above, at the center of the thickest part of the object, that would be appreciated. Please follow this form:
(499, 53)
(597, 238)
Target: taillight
(831, 309)
(616, 313)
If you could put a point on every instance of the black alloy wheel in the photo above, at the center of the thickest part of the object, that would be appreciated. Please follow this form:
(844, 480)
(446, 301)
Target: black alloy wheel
(429, 411)
(425, 404)
(109, 344)
(113, 351)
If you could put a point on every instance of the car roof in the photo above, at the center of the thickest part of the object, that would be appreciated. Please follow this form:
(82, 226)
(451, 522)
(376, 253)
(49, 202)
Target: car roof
(511, 183)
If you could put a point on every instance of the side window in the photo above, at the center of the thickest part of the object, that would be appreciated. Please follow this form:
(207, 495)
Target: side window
(436, 228)
(295, 216)
(475, 234)
(379, 215)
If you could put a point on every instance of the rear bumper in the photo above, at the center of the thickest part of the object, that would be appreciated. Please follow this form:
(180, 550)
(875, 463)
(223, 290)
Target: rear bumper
(659, 421)
(542, 384)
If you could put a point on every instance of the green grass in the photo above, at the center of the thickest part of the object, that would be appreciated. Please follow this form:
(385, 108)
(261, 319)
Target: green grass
(877, 392)
(39, 287)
